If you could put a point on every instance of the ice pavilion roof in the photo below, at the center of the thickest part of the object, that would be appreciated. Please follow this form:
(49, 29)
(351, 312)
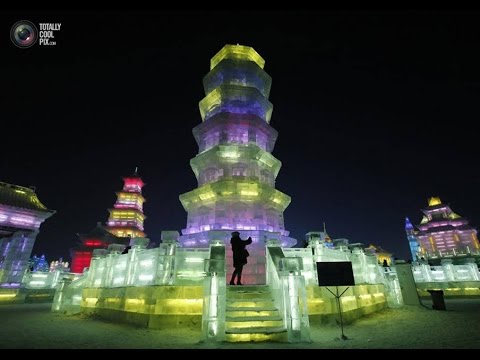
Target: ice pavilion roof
(20, 197)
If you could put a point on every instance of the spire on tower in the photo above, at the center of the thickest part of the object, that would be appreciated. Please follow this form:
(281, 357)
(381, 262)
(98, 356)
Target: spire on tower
(408, 224)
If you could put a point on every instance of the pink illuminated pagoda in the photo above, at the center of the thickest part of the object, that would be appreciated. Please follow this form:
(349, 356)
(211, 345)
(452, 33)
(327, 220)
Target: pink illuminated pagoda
(125, 222)
(126, 218)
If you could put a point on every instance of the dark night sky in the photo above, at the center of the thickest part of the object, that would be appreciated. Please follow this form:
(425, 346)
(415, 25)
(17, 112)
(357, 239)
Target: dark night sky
(376, 112)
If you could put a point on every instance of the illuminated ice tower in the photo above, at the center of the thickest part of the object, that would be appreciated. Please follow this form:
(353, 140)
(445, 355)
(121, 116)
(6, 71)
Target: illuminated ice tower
(126, 218)
(443, 232)
(234, 168)
(412, 240)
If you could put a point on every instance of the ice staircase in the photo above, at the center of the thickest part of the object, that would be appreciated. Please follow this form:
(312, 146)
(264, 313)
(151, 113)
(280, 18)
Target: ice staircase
(252, 316)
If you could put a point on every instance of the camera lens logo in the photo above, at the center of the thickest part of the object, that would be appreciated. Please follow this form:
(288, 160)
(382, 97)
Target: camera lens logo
(24, 34)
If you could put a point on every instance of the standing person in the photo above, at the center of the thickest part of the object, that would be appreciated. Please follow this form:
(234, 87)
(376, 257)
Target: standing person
(240, 255)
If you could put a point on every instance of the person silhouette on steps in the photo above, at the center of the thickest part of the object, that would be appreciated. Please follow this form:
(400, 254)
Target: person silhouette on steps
(240, 255)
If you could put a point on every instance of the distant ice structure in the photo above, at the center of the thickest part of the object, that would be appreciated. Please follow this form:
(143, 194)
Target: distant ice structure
(445, 251)
(21, 214)
(441, 233)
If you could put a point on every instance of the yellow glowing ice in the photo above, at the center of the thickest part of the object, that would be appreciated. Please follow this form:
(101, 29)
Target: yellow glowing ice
(206, 195)
(230, 152)
(235, 190)
(434, 201)
(237, 52)
(453, 215)
(214, 98)
(248, 193)
(7, 295)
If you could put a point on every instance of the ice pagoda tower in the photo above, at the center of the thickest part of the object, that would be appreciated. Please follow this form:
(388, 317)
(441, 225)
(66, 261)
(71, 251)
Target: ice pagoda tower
(126, 218)
(234, 167)
(443, 232)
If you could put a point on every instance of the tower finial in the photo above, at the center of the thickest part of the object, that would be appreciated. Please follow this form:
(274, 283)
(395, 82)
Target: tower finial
(324, 228)
(408, 223)
(136, 169)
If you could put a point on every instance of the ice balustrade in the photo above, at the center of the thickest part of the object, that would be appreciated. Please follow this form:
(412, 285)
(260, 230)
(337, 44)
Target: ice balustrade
(393, 292)
(366, 269)
(287, 285)
(165, 265)
(42, 279)
(214, 298)
(423, 273)
(68, 295)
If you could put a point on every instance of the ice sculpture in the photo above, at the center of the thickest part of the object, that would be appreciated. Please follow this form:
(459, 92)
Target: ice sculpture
(234, 168)
(126, 218)
(21, 214)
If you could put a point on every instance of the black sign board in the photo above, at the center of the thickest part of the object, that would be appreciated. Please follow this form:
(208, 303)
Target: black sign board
(337, 273)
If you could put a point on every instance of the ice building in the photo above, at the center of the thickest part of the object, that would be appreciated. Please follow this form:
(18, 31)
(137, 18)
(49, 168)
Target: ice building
(183, 281)
(21, 215)
(381, 254)
(441, 233)
(98, 238)
(445, 251)
(125, 222)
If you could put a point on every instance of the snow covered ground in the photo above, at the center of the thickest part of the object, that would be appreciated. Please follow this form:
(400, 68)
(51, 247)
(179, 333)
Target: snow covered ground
(411, 327)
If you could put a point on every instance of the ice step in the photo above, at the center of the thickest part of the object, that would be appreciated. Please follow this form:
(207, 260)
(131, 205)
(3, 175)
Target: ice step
(251, 315)
(253, 318)
(254, 322)
(230, 325)
(256, 337)
(247, 288)
(257, 330)
(250, 295)
(249, 304)
(251, 312)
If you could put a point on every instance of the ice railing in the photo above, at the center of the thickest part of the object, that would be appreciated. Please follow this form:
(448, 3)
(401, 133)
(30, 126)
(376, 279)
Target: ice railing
(366, 269)
(214, 293)
(68, 295)
(164, 265)
(424, 273)
(42, 279)
(452, 253)
(287, 285)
